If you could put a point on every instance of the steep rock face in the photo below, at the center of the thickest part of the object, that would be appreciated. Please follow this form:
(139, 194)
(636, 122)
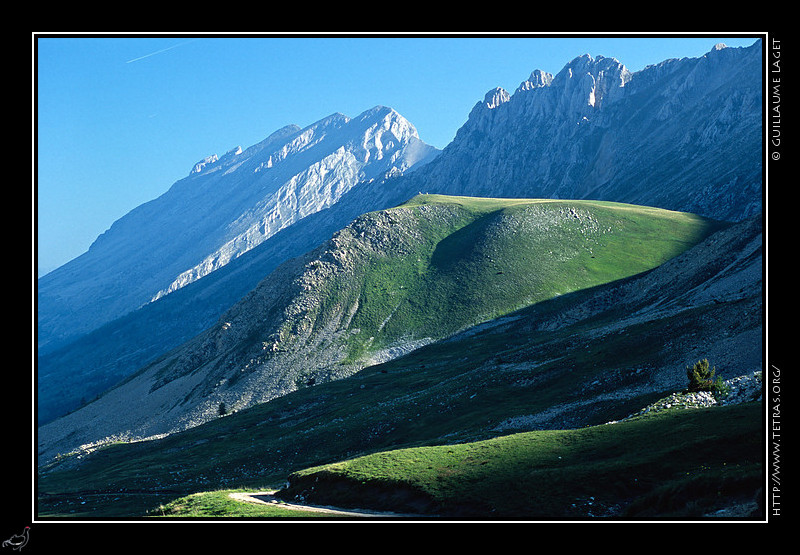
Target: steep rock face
(226, 206)
(682, 135)
(376, 144)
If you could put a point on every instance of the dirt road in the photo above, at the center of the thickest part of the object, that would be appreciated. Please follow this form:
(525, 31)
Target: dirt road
(268, 498)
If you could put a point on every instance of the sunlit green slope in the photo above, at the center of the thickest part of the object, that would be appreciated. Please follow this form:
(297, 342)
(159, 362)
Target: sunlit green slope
(474, 259)
(676, 463)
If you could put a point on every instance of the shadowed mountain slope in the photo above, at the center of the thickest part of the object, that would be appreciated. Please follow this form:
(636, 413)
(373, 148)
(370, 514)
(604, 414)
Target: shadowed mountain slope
(389, 282)
(584, 358)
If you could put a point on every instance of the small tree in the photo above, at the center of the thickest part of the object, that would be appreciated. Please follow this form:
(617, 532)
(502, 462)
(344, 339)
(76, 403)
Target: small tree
(221, 410)
(702, 378)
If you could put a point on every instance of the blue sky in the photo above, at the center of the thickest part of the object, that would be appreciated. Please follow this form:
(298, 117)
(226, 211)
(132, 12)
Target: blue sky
(120, 119)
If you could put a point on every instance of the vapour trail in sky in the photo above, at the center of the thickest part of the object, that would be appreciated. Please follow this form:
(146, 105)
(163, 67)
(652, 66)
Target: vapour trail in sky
(157, 52)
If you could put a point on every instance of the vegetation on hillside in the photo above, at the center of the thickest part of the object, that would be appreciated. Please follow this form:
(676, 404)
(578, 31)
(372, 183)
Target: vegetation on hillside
(476, 259)
(705, 458)
(703, 377)
(435, 426)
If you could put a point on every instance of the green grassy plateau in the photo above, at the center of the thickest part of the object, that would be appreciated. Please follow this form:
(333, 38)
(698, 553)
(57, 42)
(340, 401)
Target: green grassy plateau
(475, 259)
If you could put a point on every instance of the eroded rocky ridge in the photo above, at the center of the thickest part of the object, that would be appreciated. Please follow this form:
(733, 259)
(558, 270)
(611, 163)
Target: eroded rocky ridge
(681, 135)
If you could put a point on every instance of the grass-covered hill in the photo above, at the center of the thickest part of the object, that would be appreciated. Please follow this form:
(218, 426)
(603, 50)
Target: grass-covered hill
(389, 282)
(477, 259)
(683, 463)
(537, 383)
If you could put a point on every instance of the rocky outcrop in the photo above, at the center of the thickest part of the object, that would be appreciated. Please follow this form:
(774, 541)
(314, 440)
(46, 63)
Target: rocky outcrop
(741, 389)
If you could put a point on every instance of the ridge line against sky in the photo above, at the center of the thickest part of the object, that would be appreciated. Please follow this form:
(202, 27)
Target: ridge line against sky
(119, 119)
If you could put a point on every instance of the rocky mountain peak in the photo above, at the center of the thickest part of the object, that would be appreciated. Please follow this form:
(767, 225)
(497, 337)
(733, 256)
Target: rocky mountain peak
(576, 92)
(694, 123)
(589, 82)
(537, 79)
(199, 166)
(495, 98)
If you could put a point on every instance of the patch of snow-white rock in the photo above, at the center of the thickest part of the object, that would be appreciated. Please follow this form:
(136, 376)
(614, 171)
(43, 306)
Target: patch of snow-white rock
(741, 389)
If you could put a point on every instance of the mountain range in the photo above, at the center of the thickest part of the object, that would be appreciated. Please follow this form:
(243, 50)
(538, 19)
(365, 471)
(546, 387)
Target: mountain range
(225, 206)
(313, 254)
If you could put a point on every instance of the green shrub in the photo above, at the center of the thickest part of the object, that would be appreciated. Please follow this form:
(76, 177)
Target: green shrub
(703, 378)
